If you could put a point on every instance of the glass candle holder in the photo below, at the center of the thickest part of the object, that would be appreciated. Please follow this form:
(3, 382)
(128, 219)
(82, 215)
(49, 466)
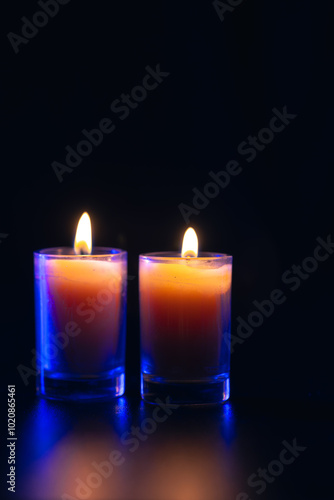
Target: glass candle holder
(80, 303)
(185, 319)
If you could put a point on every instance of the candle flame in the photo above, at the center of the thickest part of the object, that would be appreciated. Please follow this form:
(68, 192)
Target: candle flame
(83, 236)
(190, 243)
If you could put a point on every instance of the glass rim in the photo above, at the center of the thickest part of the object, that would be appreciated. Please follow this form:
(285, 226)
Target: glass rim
(173, 256)
(68, 253)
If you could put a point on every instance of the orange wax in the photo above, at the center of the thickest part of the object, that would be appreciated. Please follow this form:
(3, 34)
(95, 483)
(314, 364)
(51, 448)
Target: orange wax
(185, 314)
(86, 291)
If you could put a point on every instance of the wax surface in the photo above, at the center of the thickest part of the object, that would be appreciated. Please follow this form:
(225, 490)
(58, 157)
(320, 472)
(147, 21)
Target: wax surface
(184, 316)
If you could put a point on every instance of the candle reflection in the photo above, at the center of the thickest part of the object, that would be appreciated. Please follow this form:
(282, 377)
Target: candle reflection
(79, 452)
(189, 457)
(68, 444)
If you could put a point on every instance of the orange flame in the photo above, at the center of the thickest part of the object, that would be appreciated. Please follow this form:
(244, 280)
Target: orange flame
(190, 243)
(83, 236)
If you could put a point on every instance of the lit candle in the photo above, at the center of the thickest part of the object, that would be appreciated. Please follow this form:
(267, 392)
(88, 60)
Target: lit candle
(80, 318)
(185, 315)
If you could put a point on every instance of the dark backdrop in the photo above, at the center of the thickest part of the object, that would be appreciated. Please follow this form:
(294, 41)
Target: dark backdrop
(225, 77)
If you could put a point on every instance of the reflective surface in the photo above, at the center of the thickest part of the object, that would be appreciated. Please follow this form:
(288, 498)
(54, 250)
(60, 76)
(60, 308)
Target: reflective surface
(132, 450)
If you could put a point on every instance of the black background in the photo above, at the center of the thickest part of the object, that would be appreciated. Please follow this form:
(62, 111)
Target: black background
(225, 79)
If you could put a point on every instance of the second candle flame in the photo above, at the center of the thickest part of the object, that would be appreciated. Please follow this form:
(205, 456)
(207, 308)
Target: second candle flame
(83, 236)
(190, 243)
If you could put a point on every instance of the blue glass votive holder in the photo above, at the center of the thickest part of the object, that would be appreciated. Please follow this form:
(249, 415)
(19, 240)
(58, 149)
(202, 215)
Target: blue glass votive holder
(80, 309)
(185, 322)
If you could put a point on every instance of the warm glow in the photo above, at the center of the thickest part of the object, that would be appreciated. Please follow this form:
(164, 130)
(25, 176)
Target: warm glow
(83, 237)
(190, 243)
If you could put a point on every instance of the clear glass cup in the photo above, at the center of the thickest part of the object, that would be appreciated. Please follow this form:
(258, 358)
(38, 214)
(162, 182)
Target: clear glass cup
(185, 322)
(80, 310)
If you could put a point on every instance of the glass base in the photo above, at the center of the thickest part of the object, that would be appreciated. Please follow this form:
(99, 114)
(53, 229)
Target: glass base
(77, 388)
(209, 391)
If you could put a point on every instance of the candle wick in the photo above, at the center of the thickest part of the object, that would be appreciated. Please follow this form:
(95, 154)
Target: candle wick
(190, 254)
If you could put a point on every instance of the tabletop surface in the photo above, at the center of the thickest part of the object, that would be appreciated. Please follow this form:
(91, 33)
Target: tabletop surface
(127, 449)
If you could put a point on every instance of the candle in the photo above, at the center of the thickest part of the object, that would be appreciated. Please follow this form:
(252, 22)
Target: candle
(80, 297)
(185, 315)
